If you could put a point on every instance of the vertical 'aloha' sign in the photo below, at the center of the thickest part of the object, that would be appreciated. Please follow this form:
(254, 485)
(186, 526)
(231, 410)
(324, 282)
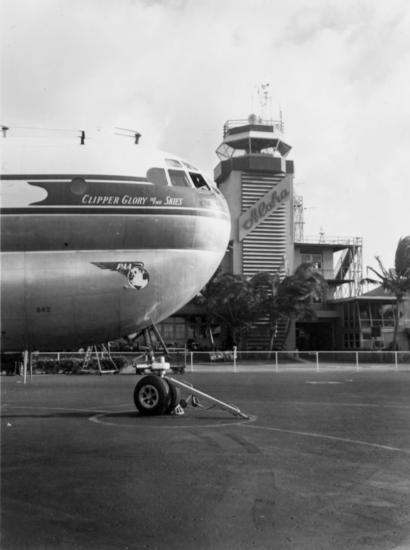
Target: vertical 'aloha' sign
(263, 207)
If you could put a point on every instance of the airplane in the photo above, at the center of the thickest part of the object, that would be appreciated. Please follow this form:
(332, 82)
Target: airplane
(100, 238)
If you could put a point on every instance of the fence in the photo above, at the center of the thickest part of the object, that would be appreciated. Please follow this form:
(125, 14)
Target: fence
(221, 361)
(281, 361)
(99, 362)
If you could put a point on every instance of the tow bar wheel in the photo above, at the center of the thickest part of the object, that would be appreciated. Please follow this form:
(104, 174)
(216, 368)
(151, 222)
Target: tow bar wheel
(152, 395)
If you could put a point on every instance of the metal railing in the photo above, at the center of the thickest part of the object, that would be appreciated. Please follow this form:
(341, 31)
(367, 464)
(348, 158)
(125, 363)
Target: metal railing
(376, 322)
(277, 125)
(329, 239)
(182, 360)
(282, 361)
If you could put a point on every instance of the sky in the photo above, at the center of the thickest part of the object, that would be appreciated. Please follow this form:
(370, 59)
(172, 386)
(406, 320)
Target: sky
(176, 70)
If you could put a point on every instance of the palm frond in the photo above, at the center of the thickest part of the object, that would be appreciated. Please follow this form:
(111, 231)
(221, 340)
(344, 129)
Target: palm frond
(370, 281)
(384, 272)
(402, 257)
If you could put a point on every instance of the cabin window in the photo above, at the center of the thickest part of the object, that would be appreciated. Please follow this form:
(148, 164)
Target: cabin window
(78, 186)
(198, 180)
(179, 178)
(157, 175)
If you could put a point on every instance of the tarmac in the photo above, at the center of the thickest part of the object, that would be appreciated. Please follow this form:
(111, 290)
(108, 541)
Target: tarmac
(322, 463)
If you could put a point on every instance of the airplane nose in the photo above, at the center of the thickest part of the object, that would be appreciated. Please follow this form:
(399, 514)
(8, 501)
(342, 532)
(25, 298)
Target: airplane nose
(101, 250)
(193, 245)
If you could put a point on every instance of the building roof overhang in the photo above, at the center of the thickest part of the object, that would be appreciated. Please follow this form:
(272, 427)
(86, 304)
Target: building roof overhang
(337, 282)
(363, 299)
(318, 246)
(257, 140)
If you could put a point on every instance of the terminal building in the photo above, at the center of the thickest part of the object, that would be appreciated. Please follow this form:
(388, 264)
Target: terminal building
(256, 177)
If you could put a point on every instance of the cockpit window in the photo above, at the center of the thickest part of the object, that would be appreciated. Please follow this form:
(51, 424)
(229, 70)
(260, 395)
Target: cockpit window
(190, 167)
(173, 163)
(157, 175)
(179, 178)
(212, 185)
(198, 180)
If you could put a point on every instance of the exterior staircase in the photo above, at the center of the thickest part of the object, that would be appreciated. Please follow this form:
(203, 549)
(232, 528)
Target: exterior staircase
(344, 264)
(258, 337)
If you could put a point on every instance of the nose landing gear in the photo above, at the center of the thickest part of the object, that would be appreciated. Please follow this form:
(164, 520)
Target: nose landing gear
(152, 395)
(157, 393)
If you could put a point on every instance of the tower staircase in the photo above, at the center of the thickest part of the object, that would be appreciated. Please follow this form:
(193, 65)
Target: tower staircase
(349, 269)
(259, 337)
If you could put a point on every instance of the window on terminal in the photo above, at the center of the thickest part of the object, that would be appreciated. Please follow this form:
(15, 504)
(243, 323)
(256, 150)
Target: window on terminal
(179, 178)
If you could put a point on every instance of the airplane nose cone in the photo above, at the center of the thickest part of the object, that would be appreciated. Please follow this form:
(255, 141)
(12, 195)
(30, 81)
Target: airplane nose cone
(193, 244)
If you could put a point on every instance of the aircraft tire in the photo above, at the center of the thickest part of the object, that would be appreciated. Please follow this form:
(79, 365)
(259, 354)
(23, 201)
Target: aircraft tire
(175, 397)
(152, 395)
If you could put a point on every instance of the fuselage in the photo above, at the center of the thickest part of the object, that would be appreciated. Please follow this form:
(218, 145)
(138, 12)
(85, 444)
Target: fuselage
(100, 240)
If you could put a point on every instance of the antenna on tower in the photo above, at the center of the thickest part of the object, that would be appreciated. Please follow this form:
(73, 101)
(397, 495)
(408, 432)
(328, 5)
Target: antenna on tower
(265, 99)
(282, 125)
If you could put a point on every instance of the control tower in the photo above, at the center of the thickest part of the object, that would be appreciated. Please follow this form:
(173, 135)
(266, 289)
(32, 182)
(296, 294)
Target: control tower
(257, 180)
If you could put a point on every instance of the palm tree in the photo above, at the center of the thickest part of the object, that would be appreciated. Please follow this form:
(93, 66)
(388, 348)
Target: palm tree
(234, 302)
(237, 301)
(292, 297)
(395, 281)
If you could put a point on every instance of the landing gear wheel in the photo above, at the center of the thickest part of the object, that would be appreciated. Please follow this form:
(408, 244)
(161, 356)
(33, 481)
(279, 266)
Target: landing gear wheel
(175, 397)
(152, 395)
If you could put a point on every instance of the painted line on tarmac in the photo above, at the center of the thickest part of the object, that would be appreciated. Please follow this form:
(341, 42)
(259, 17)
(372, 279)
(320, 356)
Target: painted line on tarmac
(101, 413)
(98, 419)
(74, 409)
(324, 382)
(362, 405)
(247, 423)
(330, 438)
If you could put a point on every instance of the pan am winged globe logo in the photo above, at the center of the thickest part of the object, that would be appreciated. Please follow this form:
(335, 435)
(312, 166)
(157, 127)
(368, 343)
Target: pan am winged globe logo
(138, 277)
(135, 273)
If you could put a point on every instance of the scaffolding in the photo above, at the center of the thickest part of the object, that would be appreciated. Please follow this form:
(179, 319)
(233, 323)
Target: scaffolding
(298, 222)
(350, 268)
(347, 273)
